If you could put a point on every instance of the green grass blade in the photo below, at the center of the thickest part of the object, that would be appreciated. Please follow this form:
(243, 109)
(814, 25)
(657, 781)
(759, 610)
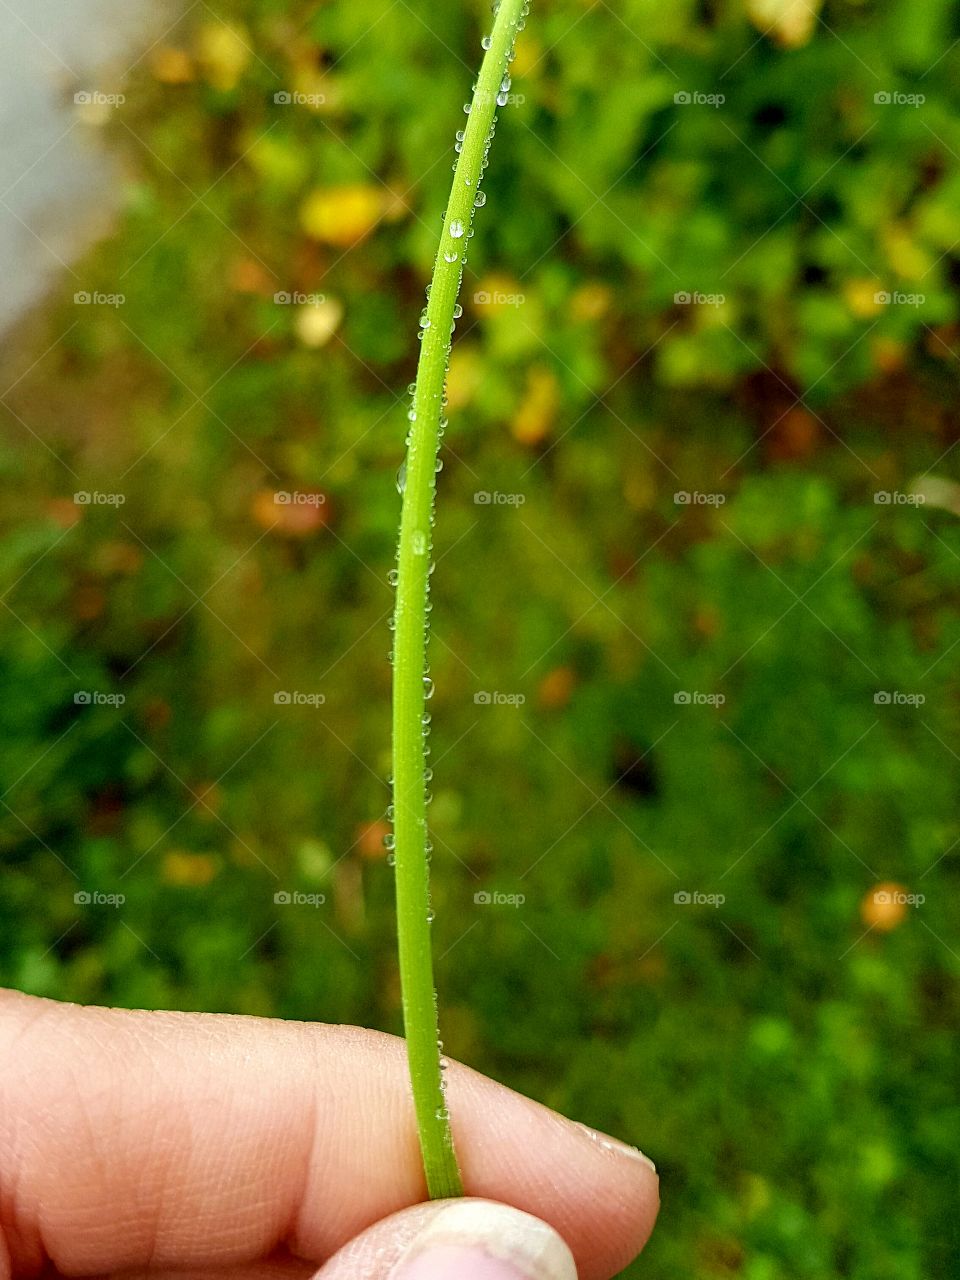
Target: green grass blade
(410, 689)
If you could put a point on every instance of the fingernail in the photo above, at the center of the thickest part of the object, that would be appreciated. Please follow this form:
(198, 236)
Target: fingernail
(616, 1146)
(482, 1240)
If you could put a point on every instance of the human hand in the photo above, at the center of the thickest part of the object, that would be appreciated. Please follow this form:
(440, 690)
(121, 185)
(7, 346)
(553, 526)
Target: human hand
(180, 1146)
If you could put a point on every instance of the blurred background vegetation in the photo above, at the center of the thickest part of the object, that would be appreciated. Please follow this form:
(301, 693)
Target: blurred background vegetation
(748, 696)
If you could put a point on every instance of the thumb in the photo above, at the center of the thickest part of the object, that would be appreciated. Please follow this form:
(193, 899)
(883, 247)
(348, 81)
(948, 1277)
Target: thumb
(461, 1239)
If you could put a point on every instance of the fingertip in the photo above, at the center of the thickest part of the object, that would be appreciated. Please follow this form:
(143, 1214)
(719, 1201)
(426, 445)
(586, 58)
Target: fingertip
(599, 1193)
(472, 1239)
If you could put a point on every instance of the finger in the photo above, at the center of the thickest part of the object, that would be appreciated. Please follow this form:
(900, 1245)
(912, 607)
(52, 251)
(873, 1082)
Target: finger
(196, 1141)
(466, 1239)
(277, 1268)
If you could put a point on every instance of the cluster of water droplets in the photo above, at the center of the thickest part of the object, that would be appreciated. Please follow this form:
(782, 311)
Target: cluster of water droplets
(453, 250)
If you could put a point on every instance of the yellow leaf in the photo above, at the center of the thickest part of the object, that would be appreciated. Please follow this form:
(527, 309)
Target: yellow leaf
(591, 301)
(342, 215)
(885, 906)
(908, 259)
(789, 22)
(863, 297)
(463, 377)
(316, 323)
(497, 293)
(192, 869)
(171, 66)
(538, 408)
(223, 53)
(528, 55)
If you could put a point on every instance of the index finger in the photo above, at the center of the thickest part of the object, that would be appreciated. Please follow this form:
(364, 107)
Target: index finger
(168, 1140)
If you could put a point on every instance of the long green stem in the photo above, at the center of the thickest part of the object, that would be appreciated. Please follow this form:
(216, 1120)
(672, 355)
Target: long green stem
(411, 686)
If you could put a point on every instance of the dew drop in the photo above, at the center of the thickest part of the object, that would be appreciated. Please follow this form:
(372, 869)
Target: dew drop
(427, 687)
(486, 42)
(457, 313)
(389, 841)
(391, 859)
(449, 255)
(393, 577)
(480, 199)
(401, 478)
(456, 229)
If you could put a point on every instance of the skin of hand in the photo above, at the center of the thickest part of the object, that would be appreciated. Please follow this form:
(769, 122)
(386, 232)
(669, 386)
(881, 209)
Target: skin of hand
(184, 1146)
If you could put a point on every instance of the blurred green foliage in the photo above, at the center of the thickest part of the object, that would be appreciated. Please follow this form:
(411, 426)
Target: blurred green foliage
(785, 1061)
